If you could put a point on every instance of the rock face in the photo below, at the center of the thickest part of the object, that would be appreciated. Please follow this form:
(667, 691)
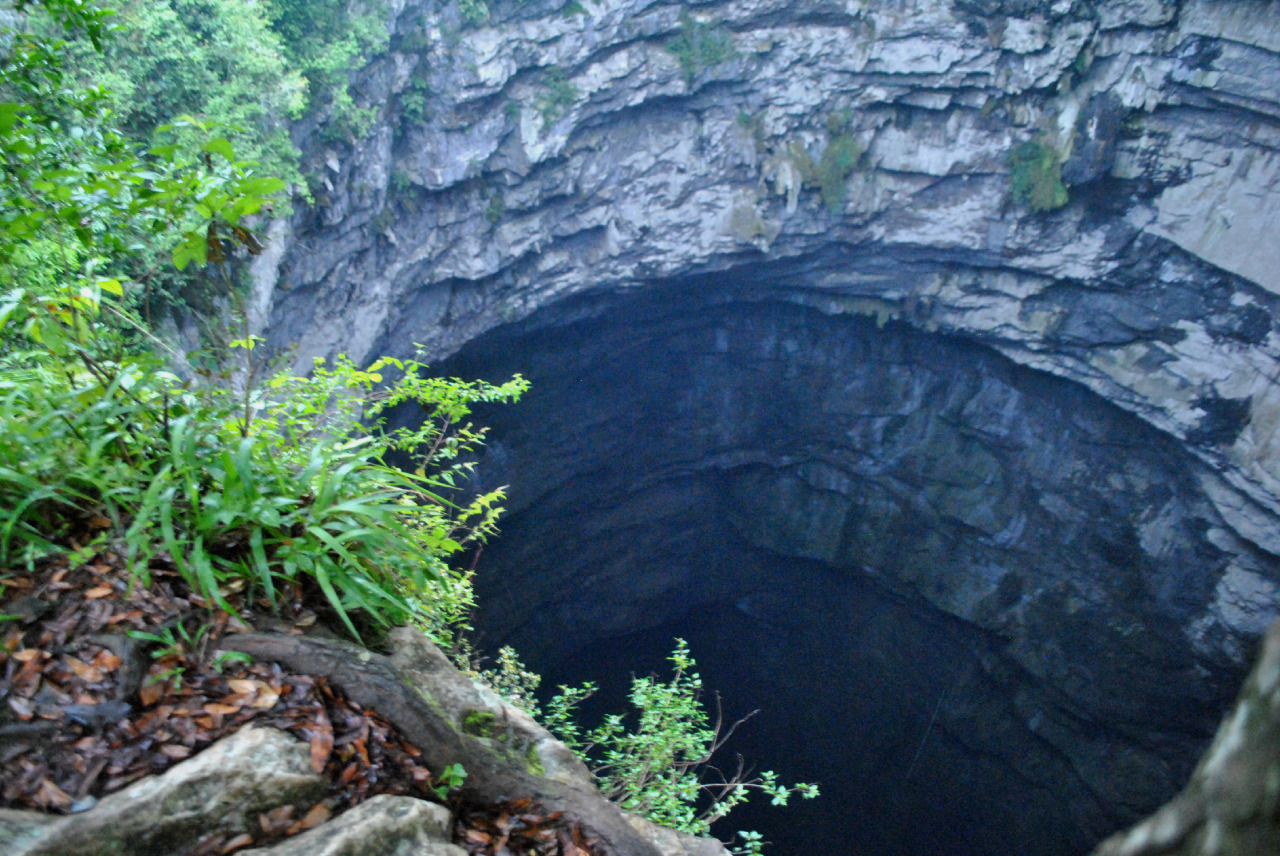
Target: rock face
(222, 789)
(932, 343)
(383, 826)
(1002, 584)
(1232, 805)
(549, 153)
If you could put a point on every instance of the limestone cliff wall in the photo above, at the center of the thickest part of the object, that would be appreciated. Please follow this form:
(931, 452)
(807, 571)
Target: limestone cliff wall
(854, 158)
(552, 151)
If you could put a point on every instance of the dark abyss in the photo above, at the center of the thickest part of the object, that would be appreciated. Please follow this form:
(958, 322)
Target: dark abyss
(962, 593)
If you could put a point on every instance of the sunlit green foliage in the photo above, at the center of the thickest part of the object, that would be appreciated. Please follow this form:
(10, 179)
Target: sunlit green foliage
(217, 60)
(325, 40)
(267, 485)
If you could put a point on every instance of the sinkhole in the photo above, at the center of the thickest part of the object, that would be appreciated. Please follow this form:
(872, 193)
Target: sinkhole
(962, 593)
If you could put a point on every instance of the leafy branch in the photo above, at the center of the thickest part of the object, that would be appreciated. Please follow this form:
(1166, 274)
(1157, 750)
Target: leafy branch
(662, 768)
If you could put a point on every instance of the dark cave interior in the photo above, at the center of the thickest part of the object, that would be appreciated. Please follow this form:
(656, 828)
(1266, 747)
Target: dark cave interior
(931, 570)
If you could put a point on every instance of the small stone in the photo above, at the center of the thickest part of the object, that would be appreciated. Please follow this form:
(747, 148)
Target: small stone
(382, 826)
(83, 805)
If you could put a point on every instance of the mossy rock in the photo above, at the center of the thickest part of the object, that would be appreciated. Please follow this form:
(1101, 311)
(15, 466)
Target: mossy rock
(1035, 171)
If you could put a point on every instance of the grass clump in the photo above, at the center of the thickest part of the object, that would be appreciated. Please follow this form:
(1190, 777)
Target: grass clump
(1035, 174)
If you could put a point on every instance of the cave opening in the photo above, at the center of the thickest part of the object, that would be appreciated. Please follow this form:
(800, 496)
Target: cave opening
(958, 590)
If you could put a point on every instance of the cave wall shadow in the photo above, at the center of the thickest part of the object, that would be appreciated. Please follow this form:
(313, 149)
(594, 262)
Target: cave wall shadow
(958, 590)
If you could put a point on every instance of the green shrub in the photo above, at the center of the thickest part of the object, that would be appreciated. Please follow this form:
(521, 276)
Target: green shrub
(325, 40)
(659, 766)
(493, 211)
(473, 11)
(1035, 173)
(839, 158)
(215, 59)
(559, 97)
(414, 98)
(283, 483)
(700, 46)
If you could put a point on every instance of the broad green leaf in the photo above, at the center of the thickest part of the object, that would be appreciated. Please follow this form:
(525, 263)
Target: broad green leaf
(260, 186)
(222, 147)
(9, 115)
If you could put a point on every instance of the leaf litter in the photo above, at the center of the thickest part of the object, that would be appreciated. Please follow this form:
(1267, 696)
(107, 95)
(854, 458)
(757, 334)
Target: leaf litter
(101, 684)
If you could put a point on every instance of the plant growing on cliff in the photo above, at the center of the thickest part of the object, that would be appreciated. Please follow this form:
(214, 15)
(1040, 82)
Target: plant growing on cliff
(558, 98)
(700, 46)
(325, 40)
(473, 11)
(660, 766)
(839, 158)
(1035, 174)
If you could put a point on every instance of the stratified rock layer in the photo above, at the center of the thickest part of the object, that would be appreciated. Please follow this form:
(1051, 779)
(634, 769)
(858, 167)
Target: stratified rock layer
(1056, 467)
(857, 151)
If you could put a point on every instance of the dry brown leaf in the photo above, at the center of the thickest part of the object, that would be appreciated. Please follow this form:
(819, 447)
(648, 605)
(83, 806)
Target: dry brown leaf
(245, 686)
(175, 750)
(26, 655)
(52, 796)
(106, 661)
(98, 592)
(321, 742)
(215, 709)
(151, 693)
(266, 700)
(276, 820)
(241, 840)
(235, 625)
(319, 814)
(84, 671)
